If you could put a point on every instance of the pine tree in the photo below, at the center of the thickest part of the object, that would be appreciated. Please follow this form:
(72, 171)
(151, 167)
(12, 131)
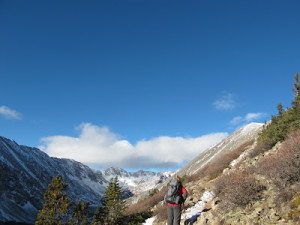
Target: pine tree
(113, 205)
(99, 216)
(80, 213)
(286, 121)
(280, 109)
(296, 102)
(56, 207)
(296, 88)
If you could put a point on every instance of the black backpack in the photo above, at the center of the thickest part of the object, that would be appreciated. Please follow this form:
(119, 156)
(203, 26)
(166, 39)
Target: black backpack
(172, 195)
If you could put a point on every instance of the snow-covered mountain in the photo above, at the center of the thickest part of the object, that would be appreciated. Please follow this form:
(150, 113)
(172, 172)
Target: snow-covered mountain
(133, 180)
(236, 139)
(243, 135)
(26, 173)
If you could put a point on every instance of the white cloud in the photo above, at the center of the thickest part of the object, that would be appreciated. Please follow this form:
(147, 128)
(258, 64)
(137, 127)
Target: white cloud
(226, 102)
(250, 117)
(236, 120)
(98, 147)
(9, 114)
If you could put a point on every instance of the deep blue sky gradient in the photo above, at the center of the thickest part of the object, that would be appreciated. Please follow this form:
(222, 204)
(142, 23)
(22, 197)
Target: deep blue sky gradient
(143, 68)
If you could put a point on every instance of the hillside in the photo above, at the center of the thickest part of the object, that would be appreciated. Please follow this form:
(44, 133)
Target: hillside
(256, 189)
(255, 186)
(26, 173)
(248, 178)
(244, 135)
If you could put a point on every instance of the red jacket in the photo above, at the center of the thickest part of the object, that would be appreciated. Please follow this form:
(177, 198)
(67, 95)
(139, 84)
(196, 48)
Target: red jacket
(183, 193)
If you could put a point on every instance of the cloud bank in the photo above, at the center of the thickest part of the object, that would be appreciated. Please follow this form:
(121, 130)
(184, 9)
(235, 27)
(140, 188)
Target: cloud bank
(9, 114)
(99, 148)
(250, 117)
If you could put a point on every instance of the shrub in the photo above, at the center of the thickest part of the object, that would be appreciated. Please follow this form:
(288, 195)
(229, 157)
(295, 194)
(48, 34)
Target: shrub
(238, 188)
(191, 178)
(260, 148)
(146, 204)
(294, 214)
(284, 167)
(216, 167)
(135, 219)
(153, 192)
(162, 213)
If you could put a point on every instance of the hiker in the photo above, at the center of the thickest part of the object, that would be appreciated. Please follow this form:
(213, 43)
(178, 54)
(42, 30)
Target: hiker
(175, 197)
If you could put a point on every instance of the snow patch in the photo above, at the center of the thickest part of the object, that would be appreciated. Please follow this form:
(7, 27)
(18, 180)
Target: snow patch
(194, 212)
(29, 208)
(233, 163)
(250, 127)
(21, 163)
(149, 221)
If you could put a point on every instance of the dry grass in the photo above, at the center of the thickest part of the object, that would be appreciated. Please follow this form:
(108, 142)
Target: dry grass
(216, 167)
(238, 188)
(146, 204)
(283, 168)
(162, 213)
(260, 148)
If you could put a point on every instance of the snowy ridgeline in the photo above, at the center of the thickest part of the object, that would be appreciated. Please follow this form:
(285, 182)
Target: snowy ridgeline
(240, 136)
(26, 173)
(146, 179)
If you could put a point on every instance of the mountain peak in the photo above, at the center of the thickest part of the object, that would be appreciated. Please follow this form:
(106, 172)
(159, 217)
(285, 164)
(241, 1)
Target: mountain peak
(26, 173)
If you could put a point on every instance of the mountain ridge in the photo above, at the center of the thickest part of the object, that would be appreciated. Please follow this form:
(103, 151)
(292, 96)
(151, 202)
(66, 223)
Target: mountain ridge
(235, 139)
(239, 137)
(33, 163)
(27, 171)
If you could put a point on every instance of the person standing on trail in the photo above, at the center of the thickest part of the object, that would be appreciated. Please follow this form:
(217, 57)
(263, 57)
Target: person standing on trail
(175, 197)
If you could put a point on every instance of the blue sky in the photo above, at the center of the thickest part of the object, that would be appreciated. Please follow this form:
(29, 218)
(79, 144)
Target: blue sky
(100, 81)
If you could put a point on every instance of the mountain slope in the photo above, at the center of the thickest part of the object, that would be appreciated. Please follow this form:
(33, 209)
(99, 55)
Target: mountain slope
(25, 174)
(236, 139)
(136, 181)
(244, 137)
(262, 188)
(258, 184)
(200, 187)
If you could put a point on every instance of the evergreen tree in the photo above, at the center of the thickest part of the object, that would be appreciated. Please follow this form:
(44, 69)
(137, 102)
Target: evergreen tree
(80, 213)
(99, 215)
(280, 109)
(113, 205)
(296, 103)
(280, 125)
(56, 207)
(296, 88)
(114, 202)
